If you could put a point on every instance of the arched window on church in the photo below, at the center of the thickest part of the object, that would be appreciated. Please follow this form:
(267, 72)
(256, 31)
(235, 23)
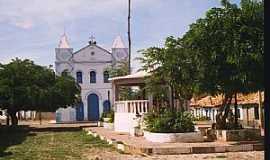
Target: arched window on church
(106, 76)
(92, 77)
(79, 77)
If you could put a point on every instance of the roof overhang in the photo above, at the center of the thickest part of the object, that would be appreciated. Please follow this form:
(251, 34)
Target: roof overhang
(132, 79)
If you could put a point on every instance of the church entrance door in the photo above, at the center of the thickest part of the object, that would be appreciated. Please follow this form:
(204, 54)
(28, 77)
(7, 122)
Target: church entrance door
(93, 107)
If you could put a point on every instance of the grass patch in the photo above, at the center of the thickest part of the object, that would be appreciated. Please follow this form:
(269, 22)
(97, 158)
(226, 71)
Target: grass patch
(47, 145)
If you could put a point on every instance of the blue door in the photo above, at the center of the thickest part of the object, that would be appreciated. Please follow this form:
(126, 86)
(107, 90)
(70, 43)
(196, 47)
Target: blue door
(93, 107)
(79, 112)
(106, 106)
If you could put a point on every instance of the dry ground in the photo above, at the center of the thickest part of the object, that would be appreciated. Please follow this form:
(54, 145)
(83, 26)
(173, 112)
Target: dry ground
(70, 143)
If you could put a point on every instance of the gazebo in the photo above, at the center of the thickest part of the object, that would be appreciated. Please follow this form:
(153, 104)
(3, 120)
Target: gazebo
(127, 111)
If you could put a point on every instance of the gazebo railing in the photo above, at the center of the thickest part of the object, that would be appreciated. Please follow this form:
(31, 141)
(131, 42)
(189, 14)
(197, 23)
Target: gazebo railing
(133, 106)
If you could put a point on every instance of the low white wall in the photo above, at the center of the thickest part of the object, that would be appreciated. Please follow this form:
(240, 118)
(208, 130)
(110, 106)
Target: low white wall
(67, 114)
(124, 122)
(108, 125)
(173, 137)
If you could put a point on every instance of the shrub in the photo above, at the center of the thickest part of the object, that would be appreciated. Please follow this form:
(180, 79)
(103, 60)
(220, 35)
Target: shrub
(169, 122)
(109, 114)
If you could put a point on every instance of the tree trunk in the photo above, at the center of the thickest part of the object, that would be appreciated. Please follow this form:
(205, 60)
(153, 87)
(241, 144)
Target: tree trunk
(7, 123)
(235, 110)
(172, 99)
(14, 119)
(40, 118)
(227, 108)
(219, 122)
(220, 117)
(260, 111)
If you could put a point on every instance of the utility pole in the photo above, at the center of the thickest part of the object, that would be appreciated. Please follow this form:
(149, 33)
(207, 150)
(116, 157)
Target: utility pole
(129, 38)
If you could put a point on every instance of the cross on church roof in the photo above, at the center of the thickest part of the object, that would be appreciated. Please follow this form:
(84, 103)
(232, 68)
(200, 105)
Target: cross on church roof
(92, 40)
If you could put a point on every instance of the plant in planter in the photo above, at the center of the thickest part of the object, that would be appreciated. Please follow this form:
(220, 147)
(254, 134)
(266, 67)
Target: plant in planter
(100, 121)
(235, 132)
(169, 122)
(169, 126)
(108, 119)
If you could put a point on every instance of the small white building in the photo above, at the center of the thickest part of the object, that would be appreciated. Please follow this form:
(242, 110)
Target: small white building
(89, 67)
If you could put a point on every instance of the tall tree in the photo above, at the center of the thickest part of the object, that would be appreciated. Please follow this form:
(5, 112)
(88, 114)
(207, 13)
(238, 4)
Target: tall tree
(227, 46)
(27, 86)
(170, 66)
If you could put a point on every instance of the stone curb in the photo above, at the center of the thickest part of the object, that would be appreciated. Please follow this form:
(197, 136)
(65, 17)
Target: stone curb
(178, 150)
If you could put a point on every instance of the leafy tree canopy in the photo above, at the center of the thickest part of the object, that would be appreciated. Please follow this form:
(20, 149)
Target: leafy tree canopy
(27, 86)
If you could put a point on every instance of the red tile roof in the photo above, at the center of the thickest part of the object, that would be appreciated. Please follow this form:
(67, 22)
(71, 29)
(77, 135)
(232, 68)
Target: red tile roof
(215, 101)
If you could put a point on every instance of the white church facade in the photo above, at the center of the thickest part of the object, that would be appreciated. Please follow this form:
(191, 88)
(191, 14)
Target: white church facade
(89, 67)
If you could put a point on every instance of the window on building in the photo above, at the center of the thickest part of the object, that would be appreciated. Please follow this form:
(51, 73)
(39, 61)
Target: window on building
(106, 76)
(92, 77)
(256, 112)
(79, 77)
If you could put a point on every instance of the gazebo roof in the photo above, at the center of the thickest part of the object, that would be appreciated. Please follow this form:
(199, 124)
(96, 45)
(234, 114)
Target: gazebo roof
(135, 78)
(140, 74)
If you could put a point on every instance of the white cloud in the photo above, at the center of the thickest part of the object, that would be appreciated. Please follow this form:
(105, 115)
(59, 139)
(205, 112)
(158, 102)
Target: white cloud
(25, 24)
(26, 13)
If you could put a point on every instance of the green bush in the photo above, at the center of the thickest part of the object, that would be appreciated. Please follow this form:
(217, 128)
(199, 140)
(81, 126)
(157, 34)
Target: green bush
(169, 122)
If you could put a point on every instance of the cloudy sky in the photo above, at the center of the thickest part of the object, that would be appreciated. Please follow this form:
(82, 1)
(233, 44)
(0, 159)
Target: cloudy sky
(32, 28)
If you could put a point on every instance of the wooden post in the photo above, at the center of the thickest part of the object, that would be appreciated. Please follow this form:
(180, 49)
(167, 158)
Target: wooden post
(40, 117)
(7, 122)
(260, 110)
(247, 116)
(235, 110)
(116, 93)
(113, 93)
(150, 99)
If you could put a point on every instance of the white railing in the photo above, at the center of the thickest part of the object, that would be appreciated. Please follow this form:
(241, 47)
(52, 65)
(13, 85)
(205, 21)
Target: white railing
(135, 106)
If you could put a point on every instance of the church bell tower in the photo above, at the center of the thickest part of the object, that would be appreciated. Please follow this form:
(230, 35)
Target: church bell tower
(119, 50)
(63, 55)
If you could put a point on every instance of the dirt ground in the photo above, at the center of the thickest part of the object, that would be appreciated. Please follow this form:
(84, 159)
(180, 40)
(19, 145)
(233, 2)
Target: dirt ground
(104, 155)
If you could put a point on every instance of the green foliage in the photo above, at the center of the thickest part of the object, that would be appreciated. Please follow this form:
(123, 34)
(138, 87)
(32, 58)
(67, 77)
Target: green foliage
(221, 53)
(121, 69)
(171, 69)
(125, 93)
(169, 122)
(227, 46)
(24, 143)
(109, 114)
(27, 86)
